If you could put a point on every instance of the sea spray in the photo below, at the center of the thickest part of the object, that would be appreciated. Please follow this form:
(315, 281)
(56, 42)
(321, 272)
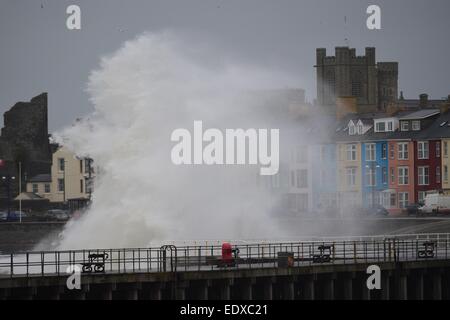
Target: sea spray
(141, 93)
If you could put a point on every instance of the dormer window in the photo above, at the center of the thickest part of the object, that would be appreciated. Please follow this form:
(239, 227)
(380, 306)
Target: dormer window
(380, 127)
(360, 129)
(351, 128)
(405, 126)
(416, 125)
(390, 126)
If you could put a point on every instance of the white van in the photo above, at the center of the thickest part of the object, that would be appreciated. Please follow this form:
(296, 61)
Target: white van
(436, 202)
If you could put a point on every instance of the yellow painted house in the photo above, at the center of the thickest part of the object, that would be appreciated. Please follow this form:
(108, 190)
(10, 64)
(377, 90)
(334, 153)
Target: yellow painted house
(445, 159)
(69, 178)
(349, 175)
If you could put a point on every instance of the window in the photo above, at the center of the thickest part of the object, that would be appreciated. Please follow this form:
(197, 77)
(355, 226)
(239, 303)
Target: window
(384, 151)
(301, 154)
(302, 202)
(331, 84)
(415, 125)
(351, 176)
(380, 127)
(351, 152)
(403, 175)
(404, 126)
(292, 178)
(61, 164)
(87, 165)
(35, 188)
(81, 166)
(360, 129)
(393, 200)
(356, 88)
(392, 175)
(371, 177)
(88, 185)
(422, 150)
(351, 130)
(61, 185)
(81, 185)
(438, 174)
(421, 196)
(392, 151)
(370, 152)
(390, 126)
(47, 188)
(403, 199)
(403, 151)
(424, 176)
(438, 149)
(384, 175)
(302, 178)
(445, 173)
(445, 149)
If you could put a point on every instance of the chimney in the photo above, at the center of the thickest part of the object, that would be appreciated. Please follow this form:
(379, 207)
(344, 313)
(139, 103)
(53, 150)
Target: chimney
(423, 100)
(445, 105)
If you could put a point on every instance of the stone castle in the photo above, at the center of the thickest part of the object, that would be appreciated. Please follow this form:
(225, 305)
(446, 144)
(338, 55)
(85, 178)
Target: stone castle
(24, 138)
(373, 84)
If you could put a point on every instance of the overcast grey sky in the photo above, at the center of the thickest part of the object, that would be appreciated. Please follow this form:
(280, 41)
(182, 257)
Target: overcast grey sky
(38, 53)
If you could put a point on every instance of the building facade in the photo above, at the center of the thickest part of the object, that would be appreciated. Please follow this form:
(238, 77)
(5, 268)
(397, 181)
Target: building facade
(70, 178)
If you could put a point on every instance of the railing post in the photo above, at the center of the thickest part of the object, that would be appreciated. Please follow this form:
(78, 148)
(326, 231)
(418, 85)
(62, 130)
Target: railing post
(28, 259)
(345, 259)
(334, 252)
(199, 257)
(42, 263)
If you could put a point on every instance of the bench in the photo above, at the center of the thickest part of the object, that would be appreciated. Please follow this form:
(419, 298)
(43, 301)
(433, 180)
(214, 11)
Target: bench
(96, 263)
(427, 251)
(324, 255)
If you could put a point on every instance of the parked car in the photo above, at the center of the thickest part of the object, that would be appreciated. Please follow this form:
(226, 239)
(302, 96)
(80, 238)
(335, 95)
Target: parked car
(413, 209)
(16, 215)
(377, 210)
(57, 214)
(3, 216)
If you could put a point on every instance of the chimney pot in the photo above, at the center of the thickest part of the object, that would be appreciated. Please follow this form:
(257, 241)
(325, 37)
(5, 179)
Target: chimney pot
(423, 100)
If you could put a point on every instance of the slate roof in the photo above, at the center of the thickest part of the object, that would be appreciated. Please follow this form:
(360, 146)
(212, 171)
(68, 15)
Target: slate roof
(421, 114)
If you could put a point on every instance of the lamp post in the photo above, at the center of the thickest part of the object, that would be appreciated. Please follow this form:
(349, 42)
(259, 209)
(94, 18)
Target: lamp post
(7, 180)
(20, 191)
(64, 182)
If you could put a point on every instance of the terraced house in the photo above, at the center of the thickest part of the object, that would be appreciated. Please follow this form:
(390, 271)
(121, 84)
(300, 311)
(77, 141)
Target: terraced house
(415, 159)
(349, 134)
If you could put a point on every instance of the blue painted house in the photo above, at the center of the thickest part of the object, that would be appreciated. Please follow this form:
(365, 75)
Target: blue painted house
(375, 172)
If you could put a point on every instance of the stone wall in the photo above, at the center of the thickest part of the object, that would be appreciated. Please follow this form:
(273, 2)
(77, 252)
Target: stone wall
(24, 138)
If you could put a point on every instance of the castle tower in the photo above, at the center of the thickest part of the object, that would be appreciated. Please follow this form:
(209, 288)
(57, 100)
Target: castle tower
(347, 75)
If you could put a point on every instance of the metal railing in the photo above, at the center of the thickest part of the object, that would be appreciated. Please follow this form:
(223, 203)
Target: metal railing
(171, 258)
